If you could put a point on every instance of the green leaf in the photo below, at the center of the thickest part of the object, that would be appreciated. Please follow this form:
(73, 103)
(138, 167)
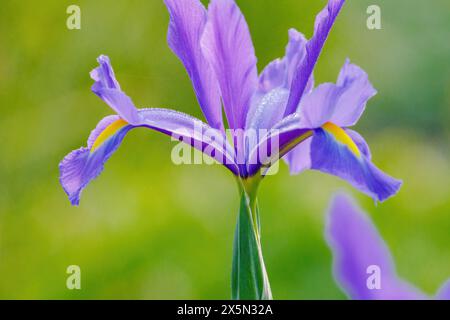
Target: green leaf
(249, 276)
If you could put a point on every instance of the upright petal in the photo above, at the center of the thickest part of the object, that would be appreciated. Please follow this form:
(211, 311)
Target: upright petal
(361, 257)
(276, 78)
(352, 102)
(341, 103)
(187, 23)
(280, 72)
(79, 167)
(227, 45)
(108, 89)
(324, 21)
(334, 152)
(318, 107)
(273, 76)
(269, 110)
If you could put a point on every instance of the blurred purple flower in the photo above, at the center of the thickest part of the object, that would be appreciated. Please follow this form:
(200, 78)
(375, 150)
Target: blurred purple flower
(358, 247)
(216, 49)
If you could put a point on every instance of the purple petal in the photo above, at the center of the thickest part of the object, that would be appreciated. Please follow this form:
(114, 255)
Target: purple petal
(108, 89)
(273, 76)
(299, 159)
(227, 45)
(276, 79)
(71, 172)
(341, 103)
(324, 21)
(280, 72)
(318, 107)
(444, 292)
(187, 23)
(280, 139)
(79, 167)
(265, 116)
(269, 110)
(330, 155)
(356, 246)
(360, 143)
(352, 102)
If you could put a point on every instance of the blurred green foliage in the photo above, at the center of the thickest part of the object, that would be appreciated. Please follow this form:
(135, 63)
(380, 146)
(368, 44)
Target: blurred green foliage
(149, 229)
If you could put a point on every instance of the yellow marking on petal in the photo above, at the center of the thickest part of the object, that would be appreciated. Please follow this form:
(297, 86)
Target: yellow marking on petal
(109, 131)
(340, 135)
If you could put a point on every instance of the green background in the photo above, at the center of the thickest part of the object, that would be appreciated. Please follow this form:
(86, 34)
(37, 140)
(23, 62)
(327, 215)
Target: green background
(149, 229)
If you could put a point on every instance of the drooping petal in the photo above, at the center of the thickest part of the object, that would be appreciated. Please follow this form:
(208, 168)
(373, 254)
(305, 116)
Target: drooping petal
(334, 152)
(187, 23)
(362, 263)
(324, 21)
(79, 167)
(444, 292)
(108, 89)
(299, 158)
(227, 45)
(352, 102)
(362, 145)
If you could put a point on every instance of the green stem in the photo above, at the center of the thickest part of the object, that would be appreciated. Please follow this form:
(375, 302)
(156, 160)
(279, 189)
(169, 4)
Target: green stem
(249, 276)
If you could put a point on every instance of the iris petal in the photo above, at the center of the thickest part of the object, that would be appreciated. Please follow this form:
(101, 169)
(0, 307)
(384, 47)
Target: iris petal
(341, 103)
(279, 73)
(359, 252)
(81, 166)
(280, 139)
(318, 107)
(299, 158)
(187, 23)
(269, 110)
(275, 82)
(444, 292)
(324, 21)
(330, 154)
(352, 102)
(227, 44)
(108, 89)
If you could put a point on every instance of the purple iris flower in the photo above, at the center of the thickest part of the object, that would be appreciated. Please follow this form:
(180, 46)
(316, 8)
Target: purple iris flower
(358, 250)
(309, 124)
